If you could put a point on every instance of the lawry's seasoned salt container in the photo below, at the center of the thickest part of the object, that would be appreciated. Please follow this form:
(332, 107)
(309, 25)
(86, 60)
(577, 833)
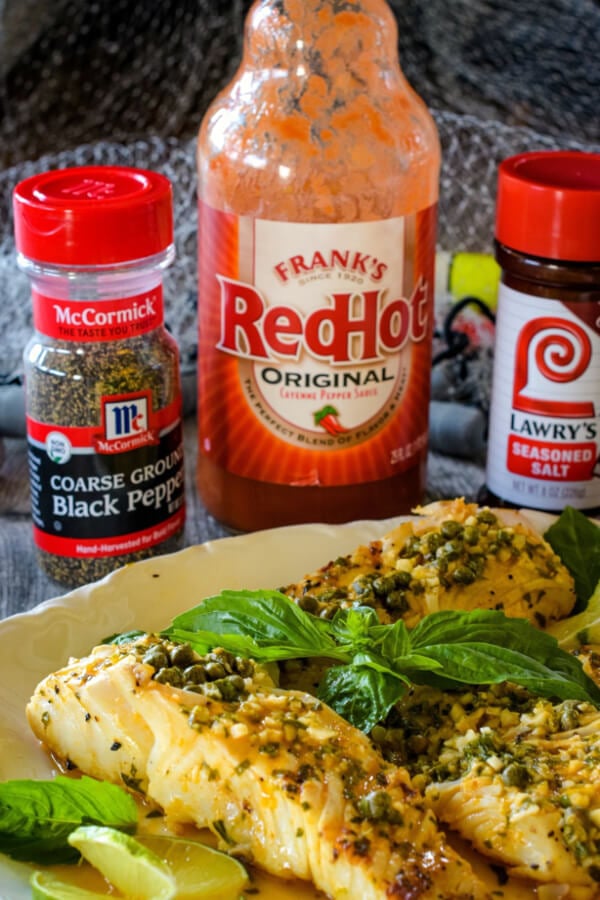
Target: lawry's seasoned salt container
(544, 430)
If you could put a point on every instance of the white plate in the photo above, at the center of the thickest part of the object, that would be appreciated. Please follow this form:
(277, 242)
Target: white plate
(145, 595)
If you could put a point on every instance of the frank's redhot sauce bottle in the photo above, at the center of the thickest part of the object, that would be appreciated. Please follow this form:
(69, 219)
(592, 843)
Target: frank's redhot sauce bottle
(544, 432)
(318, 185)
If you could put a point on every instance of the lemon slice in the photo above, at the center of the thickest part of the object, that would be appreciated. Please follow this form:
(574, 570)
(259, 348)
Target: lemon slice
(132, 868)
(584, 628)
(201, 872)
(46, 886)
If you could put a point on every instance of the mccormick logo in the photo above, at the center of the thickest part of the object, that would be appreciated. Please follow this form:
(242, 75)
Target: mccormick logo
(92, 316)
(126, 423)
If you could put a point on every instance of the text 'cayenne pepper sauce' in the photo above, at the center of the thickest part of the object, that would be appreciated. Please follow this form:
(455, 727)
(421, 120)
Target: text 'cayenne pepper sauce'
(544, 434)
(318, 184)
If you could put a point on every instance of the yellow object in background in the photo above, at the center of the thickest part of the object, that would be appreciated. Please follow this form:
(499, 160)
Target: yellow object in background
(461, 275)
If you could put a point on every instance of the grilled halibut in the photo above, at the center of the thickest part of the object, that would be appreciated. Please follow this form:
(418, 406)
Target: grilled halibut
(454, 555)
(279, 777)
(516, 775)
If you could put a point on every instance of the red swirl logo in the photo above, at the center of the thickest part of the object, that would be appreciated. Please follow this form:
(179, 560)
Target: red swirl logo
(551, 351)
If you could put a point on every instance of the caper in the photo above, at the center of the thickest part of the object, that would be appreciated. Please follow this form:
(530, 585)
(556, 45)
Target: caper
(212, 689)
(169, 675)
(228, 688)
(463, 575)
(569, 716)
(308, 603)
(374, 805)
(226, 659)
(237, 682)
(377, 805)
(215, 670)
(182, 655)
(397, 601)
(434, 540)
(386, 584)
(362, 585)
(245, 667)
(471, 535)
(194, 674)
(486, 517)
(156, 657)
(378, 734)
(451, 529)
(516, 775)
(411, 548)
(402, 579)
(450, 550)
(477, 563)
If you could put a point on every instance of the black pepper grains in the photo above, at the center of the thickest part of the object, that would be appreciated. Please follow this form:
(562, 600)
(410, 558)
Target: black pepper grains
(102, 373)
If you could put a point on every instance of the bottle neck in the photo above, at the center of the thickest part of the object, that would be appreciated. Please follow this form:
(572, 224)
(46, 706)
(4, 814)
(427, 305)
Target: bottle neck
(337, 43)
(546, 277)
(97, 282)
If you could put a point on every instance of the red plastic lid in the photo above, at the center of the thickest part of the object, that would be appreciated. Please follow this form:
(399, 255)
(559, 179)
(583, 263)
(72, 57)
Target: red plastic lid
(93, 215)
(548, 205)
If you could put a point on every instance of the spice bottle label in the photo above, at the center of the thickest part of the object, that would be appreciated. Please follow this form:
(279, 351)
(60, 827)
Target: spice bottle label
(314, 346)
(88, 321)
(110, 490)
(544, 442)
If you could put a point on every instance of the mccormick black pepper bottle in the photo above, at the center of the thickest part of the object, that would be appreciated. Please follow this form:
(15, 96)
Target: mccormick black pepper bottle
(103, 396)
(544, 433)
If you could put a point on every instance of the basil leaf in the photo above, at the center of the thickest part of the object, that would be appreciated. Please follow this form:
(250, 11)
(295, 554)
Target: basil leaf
(454, 626)
(392, 641)
(487, 647)
(205, 641)
(489, 664)
(353, 626)
(268, 617)
(123, 637)
(361, 694)
(576, 539)
(36, 817)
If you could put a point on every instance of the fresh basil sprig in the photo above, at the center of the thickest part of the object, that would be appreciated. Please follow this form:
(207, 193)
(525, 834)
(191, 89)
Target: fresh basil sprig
(376, 663)
(576, 539)
(36, 817)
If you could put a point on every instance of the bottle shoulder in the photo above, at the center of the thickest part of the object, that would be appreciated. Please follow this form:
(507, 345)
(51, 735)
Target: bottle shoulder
(319, 115)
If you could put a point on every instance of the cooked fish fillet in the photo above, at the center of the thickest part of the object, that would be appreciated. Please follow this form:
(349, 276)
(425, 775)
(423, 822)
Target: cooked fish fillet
(516, 775)
(281, 779)
(454, 555)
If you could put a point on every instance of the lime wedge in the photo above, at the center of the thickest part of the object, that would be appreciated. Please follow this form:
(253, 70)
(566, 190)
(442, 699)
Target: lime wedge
(201, 872)
(133, 869)
(46, 886)
(584, 628)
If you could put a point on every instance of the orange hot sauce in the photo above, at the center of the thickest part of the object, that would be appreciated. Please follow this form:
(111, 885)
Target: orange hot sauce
(318, 183)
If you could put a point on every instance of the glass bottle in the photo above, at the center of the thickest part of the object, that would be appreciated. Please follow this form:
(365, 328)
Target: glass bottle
(318, 172)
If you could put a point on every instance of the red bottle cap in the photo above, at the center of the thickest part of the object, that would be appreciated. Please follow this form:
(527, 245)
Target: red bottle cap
(548, 205)
(93, 215)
